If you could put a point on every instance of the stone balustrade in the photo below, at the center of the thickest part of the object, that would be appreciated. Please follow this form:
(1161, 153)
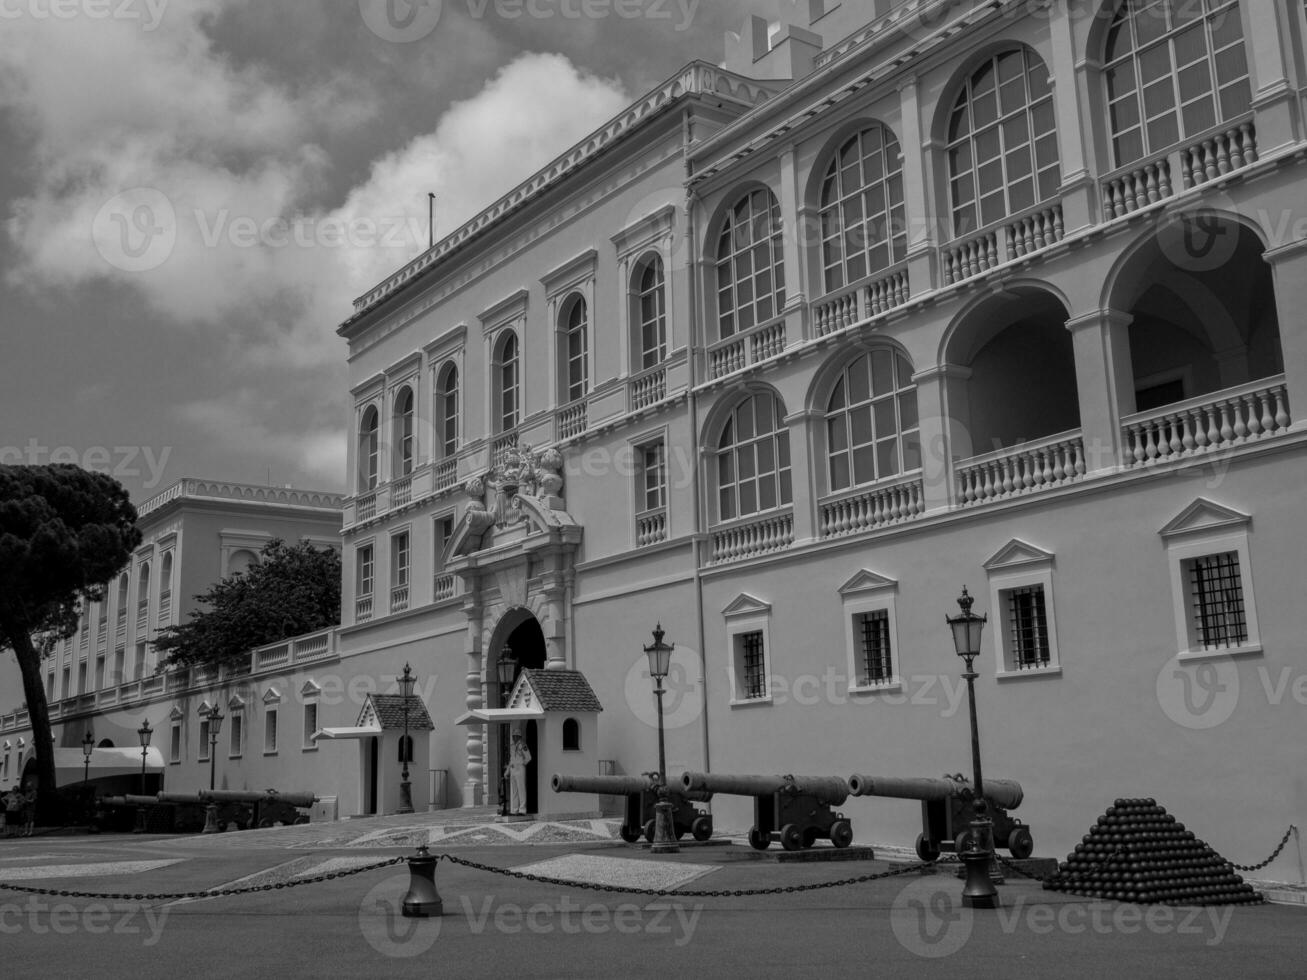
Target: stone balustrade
(1209, 423)
(1027, 468)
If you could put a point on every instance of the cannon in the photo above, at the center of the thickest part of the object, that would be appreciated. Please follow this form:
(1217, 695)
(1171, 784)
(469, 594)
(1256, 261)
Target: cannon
(641, 794)
(270, 806)
(796, 810)
(947, 811)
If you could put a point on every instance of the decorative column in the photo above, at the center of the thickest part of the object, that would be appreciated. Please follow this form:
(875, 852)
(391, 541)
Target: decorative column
(1070, 89)
(1289, 265)
(796, 275)
(553, 585)
(803, 461)
(1265, 31)
(944, 430)
(474, 788)
(1105, 383)
(923, 236)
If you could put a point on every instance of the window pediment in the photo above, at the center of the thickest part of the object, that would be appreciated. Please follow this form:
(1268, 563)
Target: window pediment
(1205, 515)
(747, 605)
(867, 581)
(1018, 554)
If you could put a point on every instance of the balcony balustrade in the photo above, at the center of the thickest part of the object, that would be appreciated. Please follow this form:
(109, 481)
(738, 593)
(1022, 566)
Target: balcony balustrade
(1014, 238)
(165, 606)
(647, 388)
(872, 507)
(571, 419)
(651, 527)
(446, 474)
(748, 539)
(1218, 154)
(500, 445)
(120, 630)
(744, 349)
(401, 492)
(862, 302)
(1209, 423)
(399, 598)
(366, 507)
(312, 647)
(444, 587)
(275, 655)
(1027, 468)
(363, 609)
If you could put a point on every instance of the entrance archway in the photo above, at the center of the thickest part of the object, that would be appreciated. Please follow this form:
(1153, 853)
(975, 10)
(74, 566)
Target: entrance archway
(520, 635)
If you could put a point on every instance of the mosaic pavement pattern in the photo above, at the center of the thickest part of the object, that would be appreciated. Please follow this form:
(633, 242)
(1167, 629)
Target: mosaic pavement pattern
(618, 872)
(98, 870)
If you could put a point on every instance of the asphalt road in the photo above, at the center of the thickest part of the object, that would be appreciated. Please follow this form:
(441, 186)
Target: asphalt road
(495, 925)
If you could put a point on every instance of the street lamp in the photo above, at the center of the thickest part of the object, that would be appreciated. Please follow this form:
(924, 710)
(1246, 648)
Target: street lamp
(406, 682)
(88, 746)
(660, 660)
(211, 811)
(506, 668)
(979, 891)
(144, 733)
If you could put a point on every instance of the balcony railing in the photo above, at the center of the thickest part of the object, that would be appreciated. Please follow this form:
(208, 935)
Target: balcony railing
(401, 492)
(446, 474)
(1027, 468)
(750, 347)
(367, 506)
(862, 302)
(276, 655)
(399, 598)
(1036, 229)
(363, 608)
(120, 630)
(312, 647)
(872, 507)
(1218, 154)
(1222, 420)
(142, 618)
(756, 537)
(444, 587)
(651, 527)
(165, 606)
(571, 419)
(500, 445)
(647, 388)
(1131, 190)
(102, 632)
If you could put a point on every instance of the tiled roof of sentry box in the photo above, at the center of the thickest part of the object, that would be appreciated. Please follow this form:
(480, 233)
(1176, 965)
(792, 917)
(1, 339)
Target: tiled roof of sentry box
(563, 690)
(389, 712)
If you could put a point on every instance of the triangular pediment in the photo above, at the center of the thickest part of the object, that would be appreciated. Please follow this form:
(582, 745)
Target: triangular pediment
(1205, 515)
(867, 581)
(523, 694)
(176, 714)
(1017, 554)
(272, 696)
(235, 703)
(368, 716)
(310, 689)
(745, 604)
(205, 709)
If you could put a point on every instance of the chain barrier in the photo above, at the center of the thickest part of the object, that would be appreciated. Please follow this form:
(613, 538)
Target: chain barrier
(1274, 854)
(679, 893)
(210, 893)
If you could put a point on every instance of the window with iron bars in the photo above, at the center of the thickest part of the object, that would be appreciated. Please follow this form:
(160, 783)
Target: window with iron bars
(1027, 627)
(752, 670)
(877, 666)
(1216, 598)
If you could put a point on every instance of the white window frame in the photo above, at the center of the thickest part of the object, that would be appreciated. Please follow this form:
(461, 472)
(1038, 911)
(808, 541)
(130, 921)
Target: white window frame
(637, 445)
(748, 614)
(869, 592)
(310, 696)
(236, 728)
(271, 706)
(1019, 564)
(205, 708)
(653, 234)
(176, 740)
(1201, 530)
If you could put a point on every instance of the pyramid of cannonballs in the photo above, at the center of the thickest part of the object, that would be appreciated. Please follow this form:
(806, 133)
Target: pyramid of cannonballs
(1137, 852)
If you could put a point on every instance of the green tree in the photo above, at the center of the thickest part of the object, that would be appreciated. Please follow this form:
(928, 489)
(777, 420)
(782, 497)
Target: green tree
(64, 532)
(294, 589)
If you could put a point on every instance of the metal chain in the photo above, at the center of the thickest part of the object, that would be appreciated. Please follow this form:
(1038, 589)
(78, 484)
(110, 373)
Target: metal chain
(211, 893)
(678, 893)
(1274, 854)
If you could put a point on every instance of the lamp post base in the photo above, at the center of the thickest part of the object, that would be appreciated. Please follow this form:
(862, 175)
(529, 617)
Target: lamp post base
(664, 841)
(210, 819)
(405, 797)
(979, 891)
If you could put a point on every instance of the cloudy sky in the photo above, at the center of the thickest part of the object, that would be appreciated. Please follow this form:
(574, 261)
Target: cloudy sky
(192, 192)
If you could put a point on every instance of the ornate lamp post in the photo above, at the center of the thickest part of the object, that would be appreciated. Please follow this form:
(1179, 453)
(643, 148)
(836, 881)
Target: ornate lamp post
(979, 891)
(406, 682)
(211, 811)
(660, 660)
(88, 746)
(506, 669)
(144, 733)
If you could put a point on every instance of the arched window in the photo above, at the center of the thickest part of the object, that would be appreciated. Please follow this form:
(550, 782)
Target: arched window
(404, 749)
(863, 222)
(123, 585)
(571, 735)
(753, 459)
(871, 421)
(143, 593)
(447, 410)
(1173, 71)
(649, 309)
(575, 350)
(403, 440)
(506, 381)
(750, 264)
(368, 449)
(1002, 141)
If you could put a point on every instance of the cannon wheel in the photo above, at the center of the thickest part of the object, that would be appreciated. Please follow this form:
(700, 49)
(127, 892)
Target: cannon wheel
(301, 819)
(267, 822)
(792, 837)
(629, 834)
(701, 828)
(841, 833)
(650, 830)
(758, 840)
(1021, 843)
(962, 843)
(926, 849)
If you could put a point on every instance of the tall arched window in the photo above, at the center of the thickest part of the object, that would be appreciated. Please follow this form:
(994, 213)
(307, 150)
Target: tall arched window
(574, 349)
(750, 264)
(863, 222)
(506, 381)
(403, 439)
(1002, 141)
(649, 307)
(871, 421)
(123, 586)
(368, 449)
(753, 459)
(447, 410)
(1173, 71)
(143, 594)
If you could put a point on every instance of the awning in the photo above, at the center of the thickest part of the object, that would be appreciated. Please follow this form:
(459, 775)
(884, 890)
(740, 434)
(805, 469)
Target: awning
(364, 731)
(502, 716)
(71, 764)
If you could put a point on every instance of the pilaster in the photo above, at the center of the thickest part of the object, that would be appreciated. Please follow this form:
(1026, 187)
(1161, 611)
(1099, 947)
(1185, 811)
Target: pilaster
(1104, 382)
(1289, 266)
(943, 430)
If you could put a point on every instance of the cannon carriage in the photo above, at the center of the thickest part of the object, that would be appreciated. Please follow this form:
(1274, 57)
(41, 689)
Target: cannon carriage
(947, 811)
(795, 810)
(640, 795)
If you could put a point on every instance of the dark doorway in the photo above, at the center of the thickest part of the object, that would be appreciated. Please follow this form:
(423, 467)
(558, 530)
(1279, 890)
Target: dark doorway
(532, 770)
(374, 753)
(527, 642)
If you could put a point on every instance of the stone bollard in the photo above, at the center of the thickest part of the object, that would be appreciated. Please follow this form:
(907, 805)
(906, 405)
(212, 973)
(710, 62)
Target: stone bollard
(422, 900)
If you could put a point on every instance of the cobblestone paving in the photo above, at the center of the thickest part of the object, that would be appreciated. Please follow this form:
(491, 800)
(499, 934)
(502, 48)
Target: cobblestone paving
(98, 870)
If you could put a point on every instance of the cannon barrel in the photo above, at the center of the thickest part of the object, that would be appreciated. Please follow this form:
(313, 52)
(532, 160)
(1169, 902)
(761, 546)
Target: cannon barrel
(1005, 793)
(179, 798)
(621, 786)
(302, 800)
(133, 800)
(830, 790)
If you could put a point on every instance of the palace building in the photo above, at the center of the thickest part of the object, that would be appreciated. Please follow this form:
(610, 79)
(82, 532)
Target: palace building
(902, 298)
